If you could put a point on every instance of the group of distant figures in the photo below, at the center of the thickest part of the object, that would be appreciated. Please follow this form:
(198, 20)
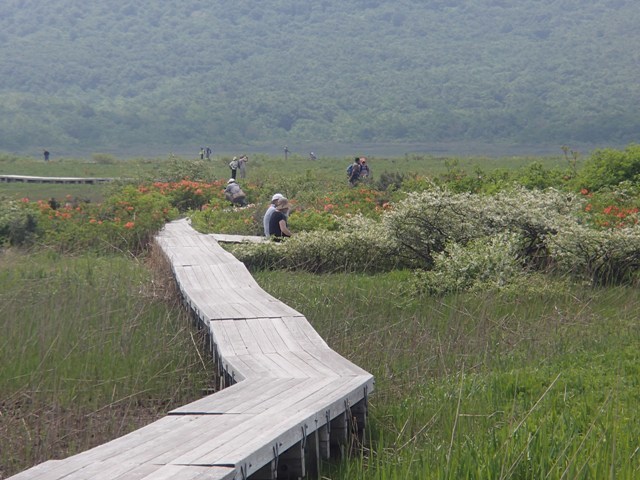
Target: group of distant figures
(205, 152)
(358, 171)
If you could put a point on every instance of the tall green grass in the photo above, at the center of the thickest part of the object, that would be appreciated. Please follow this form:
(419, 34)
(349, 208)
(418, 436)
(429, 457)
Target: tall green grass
(540, 382)
(90, 349)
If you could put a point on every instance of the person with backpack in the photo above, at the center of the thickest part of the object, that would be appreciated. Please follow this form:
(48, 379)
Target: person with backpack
(353, 171)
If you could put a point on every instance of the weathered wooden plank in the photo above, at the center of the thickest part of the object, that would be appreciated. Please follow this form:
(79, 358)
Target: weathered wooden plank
(304, 333)
(234, 396)
(189, 472)
(283, 427)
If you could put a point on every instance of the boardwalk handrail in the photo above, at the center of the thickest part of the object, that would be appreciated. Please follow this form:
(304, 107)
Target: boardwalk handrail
(289, 400)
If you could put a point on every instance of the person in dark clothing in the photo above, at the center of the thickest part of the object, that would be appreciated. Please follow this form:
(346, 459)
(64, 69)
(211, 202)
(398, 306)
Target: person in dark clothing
(278, 228)
(354, 176)
(46, 155)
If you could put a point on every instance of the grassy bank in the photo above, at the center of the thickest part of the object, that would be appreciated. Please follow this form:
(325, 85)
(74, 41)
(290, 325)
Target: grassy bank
(91, 348)
(536, 383)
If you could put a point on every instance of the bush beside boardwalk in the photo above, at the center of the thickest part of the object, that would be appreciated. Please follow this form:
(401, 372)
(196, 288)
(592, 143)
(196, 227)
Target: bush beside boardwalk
(505, 346)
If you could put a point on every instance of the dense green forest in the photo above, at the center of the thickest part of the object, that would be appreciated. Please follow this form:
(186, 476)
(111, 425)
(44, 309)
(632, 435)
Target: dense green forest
(142, 74)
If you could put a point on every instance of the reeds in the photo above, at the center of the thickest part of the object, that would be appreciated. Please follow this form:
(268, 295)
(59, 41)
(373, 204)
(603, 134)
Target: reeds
(91, 348)
(536, 383)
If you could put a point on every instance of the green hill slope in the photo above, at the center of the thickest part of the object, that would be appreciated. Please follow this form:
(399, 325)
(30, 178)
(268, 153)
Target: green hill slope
(132, 74)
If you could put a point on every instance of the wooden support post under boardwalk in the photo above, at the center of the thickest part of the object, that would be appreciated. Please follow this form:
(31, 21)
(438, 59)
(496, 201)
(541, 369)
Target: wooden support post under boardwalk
(338, 435)
(359, 419)
(267, 472)
(291, 464)
(324, 443)
(313, 454)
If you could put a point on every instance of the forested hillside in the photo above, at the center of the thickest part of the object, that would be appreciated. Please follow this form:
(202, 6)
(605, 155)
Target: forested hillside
(148, 74)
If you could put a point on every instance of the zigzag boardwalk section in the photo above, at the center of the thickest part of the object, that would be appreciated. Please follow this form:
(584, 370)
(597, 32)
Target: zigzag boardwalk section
(289, 399)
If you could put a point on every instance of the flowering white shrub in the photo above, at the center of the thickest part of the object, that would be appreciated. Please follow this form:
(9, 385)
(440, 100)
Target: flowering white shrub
(602, 257)
(360, 245)
(425, 222)
(484, 263)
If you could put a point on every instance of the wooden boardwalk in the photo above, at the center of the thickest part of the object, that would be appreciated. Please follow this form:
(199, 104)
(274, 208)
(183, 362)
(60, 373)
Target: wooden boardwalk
(289, 399)
(67, 180)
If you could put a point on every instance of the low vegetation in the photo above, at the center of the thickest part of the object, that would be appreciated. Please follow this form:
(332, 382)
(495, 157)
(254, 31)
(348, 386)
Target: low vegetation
(496, 309)
(91, 349)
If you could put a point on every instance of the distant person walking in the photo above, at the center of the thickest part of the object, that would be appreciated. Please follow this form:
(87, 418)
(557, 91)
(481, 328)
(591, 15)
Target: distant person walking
(278, 227)
(233, 165)
(286, 153)
(365, 171)
(269, 212)
(46, 155)
(353, 171)
(312, 156)
(201, 153)
(207, 153)
(242, 166)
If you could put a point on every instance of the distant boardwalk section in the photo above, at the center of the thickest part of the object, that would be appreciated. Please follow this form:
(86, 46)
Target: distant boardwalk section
(68, 180)
(289, 400)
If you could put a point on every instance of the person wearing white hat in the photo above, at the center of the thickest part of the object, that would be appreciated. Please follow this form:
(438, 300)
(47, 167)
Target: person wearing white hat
(269, 212)
(234, 193)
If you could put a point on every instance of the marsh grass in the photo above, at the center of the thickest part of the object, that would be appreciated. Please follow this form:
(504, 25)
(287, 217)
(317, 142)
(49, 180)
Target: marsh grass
(539, 382)
(91, 348)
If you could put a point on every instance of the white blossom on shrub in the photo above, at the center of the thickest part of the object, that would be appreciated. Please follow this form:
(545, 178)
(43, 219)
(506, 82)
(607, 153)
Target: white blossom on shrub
(425, 222)
(360, 245)
(601, 257)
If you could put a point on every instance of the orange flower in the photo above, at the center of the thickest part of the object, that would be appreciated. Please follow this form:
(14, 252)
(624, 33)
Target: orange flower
(584, 191)
(129, 225)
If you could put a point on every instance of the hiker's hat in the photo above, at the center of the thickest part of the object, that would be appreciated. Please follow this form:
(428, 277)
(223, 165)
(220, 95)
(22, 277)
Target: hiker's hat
(277, 196)
(283, 204)
(231, 180)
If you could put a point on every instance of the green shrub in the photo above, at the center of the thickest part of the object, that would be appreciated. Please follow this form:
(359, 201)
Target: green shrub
(609, 167)
(177, 169)
(484, 263)
(18, 226)
(424, 223)
(359, 246)
(126, 221)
